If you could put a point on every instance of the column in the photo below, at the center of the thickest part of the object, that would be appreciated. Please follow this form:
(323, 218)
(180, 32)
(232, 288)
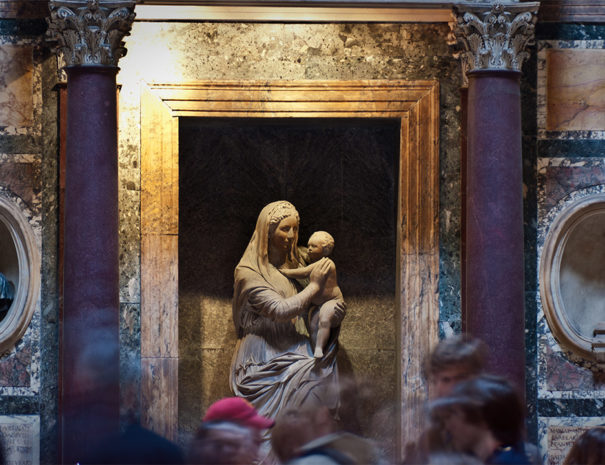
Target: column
(494, 37)
(89, 36)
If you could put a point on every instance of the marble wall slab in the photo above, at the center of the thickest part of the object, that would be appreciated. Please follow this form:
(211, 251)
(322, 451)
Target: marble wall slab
(23, 9)
(21, 84)
(571, 89)
(575, 92)
(16, 80)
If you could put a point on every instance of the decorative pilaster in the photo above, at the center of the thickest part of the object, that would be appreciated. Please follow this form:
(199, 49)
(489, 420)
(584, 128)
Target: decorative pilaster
(89, 36)
(493, 40)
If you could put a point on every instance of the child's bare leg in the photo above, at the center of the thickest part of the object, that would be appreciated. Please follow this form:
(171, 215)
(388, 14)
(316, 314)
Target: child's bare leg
(313, 322)
(323, 333)
(326, 312)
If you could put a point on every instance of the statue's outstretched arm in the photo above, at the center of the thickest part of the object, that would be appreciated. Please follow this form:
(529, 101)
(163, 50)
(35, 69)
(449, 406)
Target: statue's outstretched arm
(298, 273)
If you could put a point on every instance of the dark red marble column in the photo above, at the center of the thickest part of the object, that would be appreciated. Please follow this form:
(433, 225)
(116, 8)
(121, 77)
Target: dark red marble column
(494, 221)
(90, 335)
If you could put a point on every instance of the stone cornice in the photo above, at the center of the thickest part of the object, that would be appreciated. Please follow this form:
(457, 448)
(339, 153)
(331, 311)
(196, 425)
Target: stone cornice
(90, 32)
(493, 36)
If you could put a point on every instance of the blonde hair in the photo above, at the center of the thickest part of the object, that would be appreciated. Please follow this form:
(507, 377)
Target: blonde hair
(327, 241)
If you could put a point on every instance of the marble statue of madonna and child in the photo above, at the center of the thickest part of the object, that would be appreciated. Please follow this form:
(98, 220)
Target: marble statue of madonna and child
(287, 331)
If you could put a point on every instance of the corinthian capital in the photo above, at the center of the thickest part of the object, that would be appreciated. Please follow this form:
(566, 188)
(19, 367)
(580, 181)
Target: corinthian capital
(90, 32)
(494, 36)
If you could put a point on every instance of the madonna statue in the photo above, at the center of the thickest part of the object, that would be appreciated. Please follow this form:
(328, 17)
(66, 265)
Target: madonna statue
(273, 363)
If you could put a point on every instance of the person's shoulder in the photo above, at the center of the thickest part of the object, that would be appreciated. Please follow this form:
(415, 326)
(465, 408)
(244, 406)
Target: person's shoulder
(509, 456)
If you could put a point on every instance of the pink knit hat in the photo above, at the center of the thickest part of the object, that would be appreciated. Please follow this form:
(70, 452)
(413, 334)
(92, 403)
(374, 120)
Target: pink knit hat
(237, 410)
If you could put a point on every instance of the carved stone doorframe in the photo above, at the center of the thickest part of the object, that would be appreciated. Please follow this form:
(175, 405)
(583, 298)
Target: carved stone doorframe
(414, 103)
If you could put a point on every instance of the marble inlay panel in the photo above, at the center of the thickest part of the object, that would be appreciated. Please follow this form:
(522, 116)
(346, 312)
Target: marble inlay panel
(560, 177)
(16, 81)
(575, 90)
(565, 372)
(21, 434)
(17, 177)
(21, 174)
(130, 362)
(558, 434)
(570, 97)
(14, 368)
(130, 248)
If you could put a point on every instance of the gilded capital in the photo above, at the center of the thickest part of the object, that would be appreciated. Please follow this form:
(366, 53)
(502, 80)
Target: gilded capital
(494, 36)
(90, 32)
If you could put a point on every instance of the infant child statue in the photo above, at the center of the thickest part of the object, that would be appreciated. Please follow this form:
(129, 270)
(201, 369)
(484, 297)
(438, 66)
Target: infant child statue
(320, 245)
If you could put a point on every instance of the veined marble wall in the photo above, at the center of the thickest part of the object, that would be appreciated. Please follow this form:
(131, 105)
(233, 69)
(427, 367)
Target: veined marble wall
(182, 52)
(29, 181)
(569, 164)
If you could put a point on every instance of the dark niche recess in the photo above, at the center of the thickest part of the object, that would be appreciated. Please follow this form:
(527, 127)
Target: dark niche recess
(341, 174)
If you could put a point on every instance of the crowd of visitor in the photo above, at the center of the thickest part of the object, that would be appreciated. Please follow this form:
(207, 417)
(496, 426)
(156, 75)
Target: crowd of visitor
(471, 418)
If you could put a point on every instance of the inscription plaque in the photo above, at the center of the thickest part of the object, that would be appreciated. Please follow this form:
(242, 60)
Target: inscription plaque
(21, 438)
(560, 440)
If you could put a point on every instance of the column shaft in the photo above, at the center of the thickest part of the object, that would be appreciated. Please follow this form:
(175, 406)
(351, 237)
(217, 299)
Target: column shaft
(494, 221)
(90, 334)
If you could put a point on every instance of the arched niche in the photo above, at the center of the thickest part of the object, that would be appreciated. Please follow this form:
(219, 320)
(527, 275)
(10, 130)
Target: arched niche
(20, 263)
(572, 277)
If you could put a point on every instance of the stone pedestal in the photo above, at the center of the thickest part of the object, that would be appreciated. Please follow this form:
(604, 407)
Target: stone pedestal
(494, 38)
(89, 34)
